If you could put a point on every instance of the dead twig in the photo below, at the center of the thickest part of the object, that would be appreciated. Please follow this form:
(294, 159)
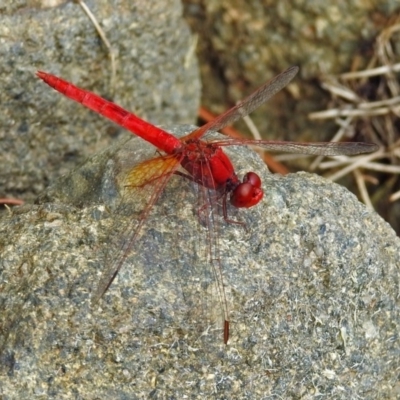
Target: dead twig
(104, 39)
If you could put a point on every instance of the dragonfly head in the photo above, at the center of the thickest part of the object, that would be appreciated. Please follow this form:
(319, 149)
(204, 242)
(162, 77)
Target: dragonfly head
(248, 193)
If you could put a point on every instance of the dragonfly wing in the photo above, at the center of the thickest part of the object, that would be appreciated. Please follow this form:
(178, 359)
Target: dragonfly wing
(142, 186)
(248, 105)
(312, 148)
(150, 170)
(215, 301)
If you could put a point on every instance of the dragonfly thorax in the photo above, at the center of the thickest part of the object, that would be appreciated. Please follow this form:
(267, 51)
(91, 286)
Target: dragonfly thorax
(210, 167)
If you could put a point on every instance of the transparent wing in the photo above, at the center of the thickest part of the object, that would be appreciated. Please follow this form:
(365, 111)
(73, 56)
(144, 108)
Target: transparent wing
(142, 187)
(312, 148)
(246, 106)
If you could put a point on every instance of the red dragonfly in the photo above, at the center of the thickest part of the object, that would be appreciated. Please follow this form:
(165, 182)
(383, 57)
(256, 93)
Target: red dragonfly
(202, 161)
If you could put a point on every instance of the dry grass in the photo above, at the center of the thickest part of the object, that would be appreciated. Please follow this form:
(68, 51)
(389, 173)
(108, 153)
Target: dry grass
(366, 105)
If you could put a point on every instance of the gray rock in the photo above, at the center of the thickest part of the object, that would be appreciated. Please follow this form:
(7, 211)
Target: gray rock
(311, 284)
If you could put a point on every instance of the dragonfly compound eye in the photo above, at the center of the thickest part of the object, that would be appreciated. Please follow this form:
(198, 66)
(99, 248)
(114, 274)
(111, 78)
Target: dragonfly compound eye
(253, 179)
(246, 194)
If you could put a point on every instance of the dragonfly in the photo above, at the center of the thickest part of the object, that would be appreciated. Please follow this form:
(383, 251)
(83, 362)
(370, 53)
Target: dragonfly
(198, 159)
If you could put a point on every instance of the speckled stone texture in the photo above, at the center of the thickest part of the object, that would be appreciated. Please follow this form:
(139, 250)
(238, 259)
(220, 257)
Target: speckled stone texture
(42, 134)
(312, 288)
